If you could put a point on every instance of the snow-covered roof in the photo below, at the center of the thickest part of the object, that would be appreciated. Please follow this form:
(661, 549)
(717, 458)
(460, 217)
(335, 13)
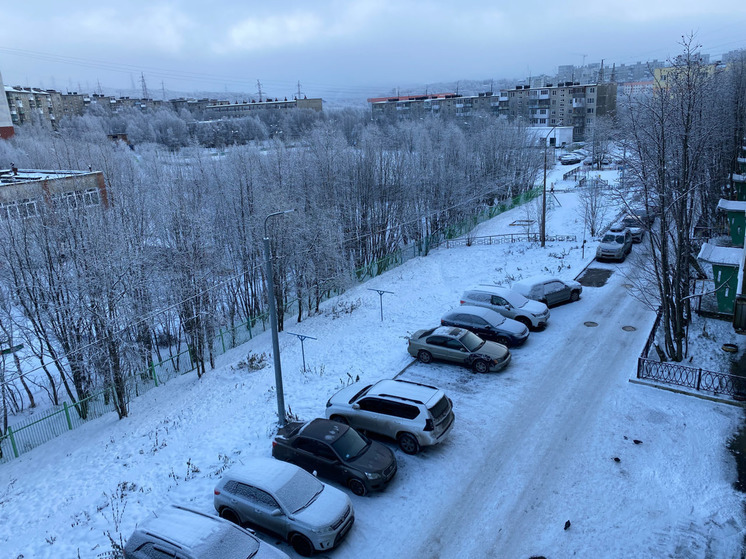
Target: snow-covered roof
(732, 205)
(726, 256)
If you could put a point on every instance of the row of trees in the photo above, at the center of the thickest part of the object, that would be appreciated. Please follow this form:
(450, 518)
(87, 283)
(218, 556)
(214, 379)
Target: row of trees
(96, 294)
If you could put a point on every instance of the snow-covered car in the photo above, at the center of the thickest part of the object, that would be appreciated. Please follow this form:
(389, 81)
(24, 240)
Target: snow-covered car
(615, 245)
(185, 533)
(635, 225)
(570, 158)
(487, 324)
(508, 303)
(458, 345)
(548, 289)
(337, 452)
(286, 500)
(414, 414)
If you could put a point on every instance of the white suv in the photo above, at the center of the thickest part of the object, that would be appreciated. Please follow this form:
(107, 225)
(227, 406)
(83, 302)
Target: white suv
(508, 303)
(413, 414)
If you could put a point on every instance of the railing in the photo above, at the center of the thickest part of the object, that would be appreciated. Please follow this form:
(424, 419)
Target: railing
(691, 377)
(504, 239)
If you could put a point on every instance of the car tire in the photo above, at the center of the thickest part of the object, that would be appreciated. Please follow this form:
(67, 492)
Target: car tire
(424, 356)
(408, 443)
(574, 296)
(302, 545)
(525, 321)
(502, 340)
(357, 486)
(230, 516)
(480, 366)
(340, 419)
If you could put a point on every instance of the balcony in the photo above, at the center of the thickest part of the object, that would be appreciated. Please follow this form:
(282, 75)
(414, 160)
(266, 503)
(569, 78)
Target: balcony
(576, 103)
(738, 178)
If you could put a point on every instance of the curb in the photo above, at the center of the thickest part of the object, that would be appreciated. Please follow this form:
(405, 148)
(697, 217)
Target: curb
(687, 393)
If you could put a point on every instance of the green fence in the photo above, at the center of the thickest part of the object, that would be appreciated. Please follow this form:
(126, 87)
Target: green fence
(26, 436)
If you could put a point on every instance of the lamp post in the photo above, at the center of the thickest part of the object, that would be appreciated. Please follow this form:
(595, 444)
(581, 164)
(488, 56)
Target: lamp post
(273, 321)
(543, 227)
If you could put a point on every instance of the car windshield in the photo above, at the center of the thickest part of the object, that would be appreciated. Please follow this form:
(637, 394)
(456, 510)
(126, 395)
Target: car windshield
(472, 341)
(300, 491)
(350, 445)
(611, 238)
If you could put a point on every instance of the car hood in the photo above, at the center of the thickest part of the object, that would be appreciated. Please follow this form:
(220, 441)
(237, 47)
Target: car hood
(375, 460)
(325, 510)
(492, 350)
(513, 327)
(572, 284)
(535, 307)
(610, 246)
(346, 394)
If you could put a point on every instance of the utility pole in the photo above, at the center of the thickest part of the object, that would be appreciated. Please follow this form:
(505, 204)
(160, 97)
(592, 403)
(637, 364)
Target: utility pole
(144, 86)
(259, 89)
(163, 90)
(299, 92)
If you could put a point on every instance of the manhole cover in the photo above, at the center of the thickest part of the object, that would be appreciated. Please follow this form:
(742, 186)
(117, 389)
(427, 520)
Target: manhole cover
(629, 328)
(590, 324)
(627, 285)
(730, 348)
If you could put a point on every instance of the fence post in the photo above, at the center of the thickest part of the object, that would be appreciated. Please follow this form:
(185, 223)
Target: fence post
(699, 378)
(13, 442)
(222, 341)
(639, 367)
(67, 416)
(152, 372)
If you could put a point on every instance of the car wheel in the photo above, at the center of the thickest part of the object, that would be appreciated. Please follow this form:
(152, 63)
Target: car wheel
(357, 487)
(302, 545)
(408, 443)
(480, 366)
(502, 340)
(424, 356)
(574, 296)
(340, 419)
(230, 516)
(524, 320)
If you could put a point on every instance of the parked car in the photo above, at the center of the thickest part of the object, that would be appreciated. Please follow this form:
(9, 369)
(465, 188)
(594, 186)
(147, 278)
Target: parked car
(615, 245)
(549, 290)
(487, 324)
(188, 534)
(337, 452)
(634, 224)
(508, 303)
(570, 158)
(285, 500)
(458, 345)
(415, 415)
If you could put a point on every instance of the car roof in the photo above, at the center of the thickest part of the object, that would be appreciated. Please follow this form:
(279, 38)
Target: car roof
(483, 312)
(185, 527)
(449, 331)
(533, 280)
(324, 430)
(406, 390)
(506, 293)
(265, 473)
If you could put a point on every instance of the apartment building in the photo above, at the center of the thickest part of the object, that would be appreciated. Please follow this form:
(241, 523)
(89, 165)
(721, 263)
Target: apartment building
(6, 123)
(30, 104)
(236, 110)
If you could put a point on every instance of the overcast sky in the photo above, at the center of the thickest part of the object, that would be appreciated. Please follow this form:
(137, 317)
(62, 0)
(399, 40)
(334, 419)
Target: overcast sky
(355, 48)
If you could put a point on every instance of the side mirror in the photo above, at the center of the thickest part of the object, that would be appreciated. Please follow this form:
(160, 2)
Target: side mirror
(276, 512)
(315, 473)
(355, 406)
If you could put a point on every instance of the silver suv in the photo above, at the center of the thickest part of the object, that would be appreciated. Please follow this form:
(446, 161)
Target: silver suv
(164, 535)
(286, 500)
(413, 414)
(615, 245)
(508, 303)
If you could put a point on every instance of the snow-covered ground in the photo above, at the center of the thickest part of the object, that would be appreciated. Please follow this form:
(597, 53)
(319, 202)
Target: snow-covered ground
(532, 446)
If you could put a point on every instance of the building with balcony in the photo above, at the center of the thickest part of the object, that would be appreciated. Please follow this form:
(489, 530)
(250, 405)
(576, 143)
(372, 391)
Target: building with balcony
(236, 110)
(6, 122)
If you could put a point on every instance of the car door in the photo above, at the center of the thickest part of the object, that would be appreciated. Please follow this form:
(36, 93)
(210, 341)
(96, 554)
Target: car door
(369, 416)
(482, 328)
(455, 351)
(435, 345)
(502, 306)
(556, 292)
(257, 507)
(315, 456)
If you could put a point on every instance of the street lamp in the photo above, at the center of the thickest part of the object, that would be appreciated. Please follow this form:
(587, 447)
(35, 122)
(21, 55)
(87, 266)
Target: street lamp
(273, 321)
(543, 225)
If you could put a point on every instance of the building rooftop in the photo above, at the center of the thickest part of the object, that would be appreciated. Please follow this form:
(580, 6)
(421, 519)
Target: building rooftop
(18, 176)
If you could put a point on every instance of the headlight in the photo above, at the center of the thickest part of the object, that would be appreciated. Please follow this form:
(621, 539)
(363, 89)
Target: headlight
(372, 476)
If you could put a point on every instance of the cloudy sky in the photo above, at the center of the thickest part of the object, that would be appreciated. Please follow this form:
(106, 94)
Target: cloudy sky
(352, 48)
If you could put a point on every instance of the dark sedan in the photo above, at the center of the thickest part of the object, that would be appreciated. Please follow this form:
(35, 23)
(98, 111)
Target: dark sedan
(336, 452)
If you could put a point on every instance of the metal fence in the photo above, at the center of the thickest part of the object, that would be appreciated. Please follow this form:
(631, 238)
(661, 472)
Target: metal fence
(691, 377)
(27, 435)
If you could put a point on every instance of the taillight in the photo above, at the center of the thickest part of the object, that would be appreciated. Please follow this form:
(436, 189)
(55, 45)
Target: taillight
(217, 492)
(442, 323)
(274, 444)
(429, 425)
(462, 302)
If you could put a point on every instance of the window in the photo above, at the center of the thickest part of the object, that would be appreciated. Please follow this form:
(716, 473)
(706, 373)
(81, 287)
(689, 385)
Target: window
(150, 551)
(399, 409)
(590, 100)
(256, 495)
(371, 404)
(499, 301)
(437, 340)
(590, 110)
(316, 448)
(592, 90)
(454, 344)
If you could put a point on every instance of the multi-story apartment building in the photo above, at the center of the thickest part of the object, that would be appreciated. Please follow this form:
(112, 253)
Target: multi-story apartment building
(30, 104)
(6, 123)
(234, 110)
